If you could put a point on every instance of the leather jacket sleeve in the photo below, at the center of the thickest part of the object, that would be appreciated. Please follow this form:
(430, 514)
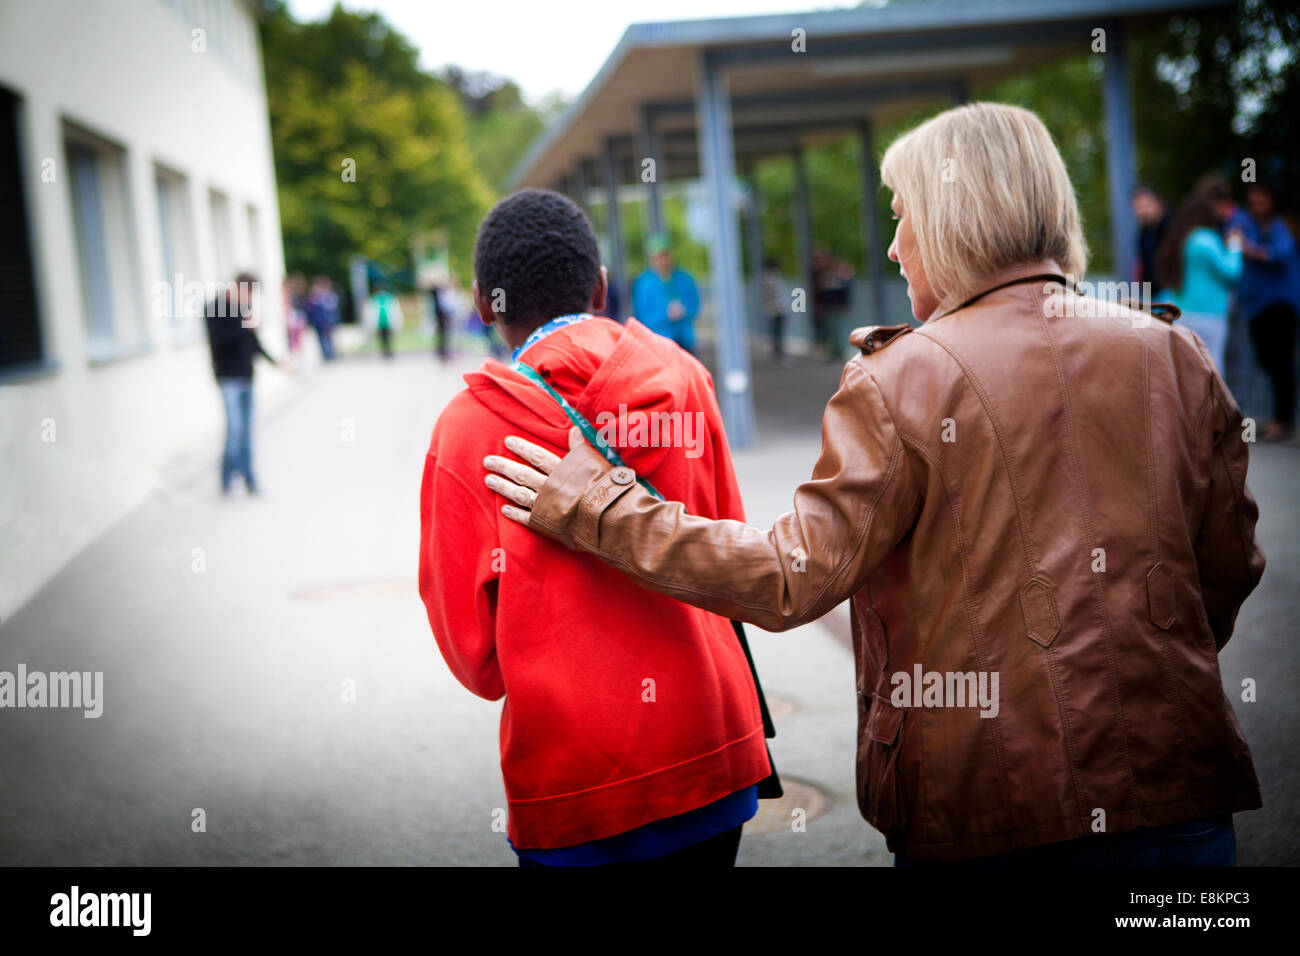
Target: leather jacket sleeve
(859, 503)
(1229, 562)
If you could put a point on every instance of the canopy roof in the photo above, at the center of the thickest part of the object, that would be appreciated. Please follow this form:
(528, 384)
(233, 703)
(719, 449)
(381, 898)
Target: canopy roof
(877, 62)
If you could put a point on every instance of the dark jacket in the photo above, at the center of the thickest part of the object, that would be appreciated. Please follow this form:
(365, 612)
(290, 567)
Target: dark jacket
(233, 345)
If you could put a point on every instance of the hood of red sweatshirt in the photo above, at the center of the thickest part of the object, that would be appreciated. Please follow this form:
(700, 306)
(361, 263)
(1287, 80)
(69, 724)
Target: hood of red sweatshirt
(628, 382)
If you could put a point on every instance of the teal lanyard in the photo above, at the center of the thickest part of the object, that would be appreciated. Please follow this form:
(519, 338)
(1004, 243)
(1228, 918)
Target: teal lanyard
(554, 325)
(588, 432)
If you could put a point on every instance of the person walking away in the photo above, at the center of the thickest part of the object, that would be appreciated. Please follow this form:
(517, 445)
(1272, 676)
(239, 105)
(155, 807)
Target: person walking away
(1201, 270)
(323, 313)
(1270, 300)
(665, 298)
(233, 342)
(295, 310)
(441, 320)
(831, 279)
(774, 309)
(631, 729)
(1153, 221)
(384, 314)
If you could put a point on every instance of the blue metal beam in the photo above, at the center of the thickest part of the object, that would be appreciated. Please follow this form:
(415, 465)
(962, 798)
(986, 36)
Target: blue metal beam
(803, 237)
(717, 162)
(871, 244)
(614, 229)
(586, 178)
(754, 246)
(1121, 149)
(851, 96)
(885, 43)
(654, 193)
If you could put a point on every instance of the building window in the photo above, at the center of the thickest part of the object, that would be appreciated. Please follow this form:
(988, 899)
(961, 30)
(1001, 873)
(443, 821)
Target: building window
(92, 246)
(176, 234)
(20, 323)
(223, 236)
(105, 245)
(255, 241)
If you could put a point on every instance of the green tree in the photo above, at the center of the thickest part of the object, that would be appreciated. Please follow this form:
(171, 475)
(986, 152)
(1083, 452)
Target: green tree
(1209, 92)
(369, 150)
(1216, 89)
(502, 124)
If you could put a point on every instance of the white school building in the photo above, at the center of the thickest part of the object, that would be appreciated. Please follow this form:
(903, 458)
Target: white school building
(135, 147)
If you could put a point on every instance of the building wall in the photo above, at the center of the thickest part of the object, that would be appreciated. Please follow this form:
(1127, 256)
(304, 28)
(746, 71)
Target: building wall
(85, 433)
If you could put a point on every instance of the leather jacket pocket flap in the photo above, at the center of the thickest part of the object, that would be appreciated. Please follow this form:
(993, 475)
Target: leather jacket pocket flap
(1162, 607)
(882, 726)
(1038, 606)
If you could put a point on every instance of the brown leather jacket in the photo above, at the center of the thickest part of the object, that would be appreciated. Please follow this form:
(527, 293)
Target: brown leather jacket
(1038, 492)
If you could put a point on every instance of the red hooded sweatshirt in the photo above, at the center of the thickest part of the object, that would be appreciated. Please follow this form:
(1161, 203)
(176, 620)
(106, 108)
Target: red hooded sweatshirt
(622, 707)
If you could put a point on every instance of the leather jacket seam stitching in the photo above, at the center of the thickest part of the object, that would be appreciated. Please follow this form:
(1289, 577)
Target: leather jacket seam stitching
(1080, 483)
(1012, 477)
(860, 532)
(971, 622)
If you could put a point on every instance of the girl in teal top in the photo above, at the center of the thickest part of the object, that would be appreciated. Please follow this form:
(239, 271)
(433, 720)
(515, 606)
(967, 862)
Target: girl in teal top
(1202, 271)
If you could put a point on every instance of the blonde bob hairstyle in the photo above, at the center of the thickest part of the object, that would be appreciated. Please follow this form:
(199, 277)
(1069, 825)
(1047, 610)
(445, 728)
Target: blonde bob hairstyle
(985, 189)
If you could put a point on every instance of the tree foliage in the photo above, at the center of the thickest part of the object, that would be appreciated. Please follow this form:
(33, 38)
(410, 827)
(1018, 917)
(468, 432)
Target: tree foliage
(501, 124)
(1209, 91)
(347, 95)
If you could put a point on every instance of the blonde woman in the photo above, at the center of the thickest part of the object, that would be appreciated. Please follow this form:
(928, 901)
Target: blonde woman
(1036, 503)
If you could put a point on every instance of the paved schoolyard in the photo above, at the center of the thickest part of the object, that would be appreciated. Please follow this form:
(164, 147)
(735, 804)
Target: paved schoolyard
(267, 661)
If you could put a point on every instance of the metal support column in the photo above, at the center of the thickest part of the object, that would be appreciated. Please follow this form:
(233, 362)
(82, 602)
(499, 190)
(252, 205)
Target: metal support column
(754, 247)
(654, 191)
(583, 177)
(872, 251)
(614, 229)
(1121, 150)
(717, 164)
(803, 227)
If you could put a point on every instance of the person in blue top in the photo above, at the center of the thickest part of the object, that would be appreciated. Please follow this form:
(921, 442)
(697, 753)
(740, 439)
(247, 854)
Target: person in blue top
(665, 298)
(1270, 301)
(1200, 271)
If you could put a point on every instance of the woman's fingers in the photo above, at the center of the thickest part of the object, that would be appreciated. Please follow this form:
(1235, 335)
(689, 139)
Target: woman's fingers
(535, 455)
(512, 492)
(519, 474)
(516, 514)
(519, 483)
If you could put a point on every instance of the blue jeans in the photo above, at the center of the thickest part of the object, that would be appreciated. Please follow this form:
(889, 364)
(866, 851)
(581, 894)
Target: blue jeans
(1213, 330)
(1211, 842)
(326, 335)
(237, 456)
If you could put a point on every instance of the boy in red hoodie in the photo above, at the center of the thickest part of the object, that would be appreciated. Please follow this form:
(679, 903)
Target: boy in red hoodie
(631, 730)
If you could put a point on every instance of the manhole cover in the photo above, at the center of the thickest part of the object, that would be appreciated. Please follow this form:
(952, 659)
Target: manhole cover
(356, 592)
(778, 816)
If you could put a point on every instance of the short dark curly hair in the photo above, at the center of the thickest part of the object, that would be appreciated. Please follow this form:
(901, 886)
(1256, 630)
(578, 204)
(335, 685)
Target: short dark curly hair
(538, 248)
